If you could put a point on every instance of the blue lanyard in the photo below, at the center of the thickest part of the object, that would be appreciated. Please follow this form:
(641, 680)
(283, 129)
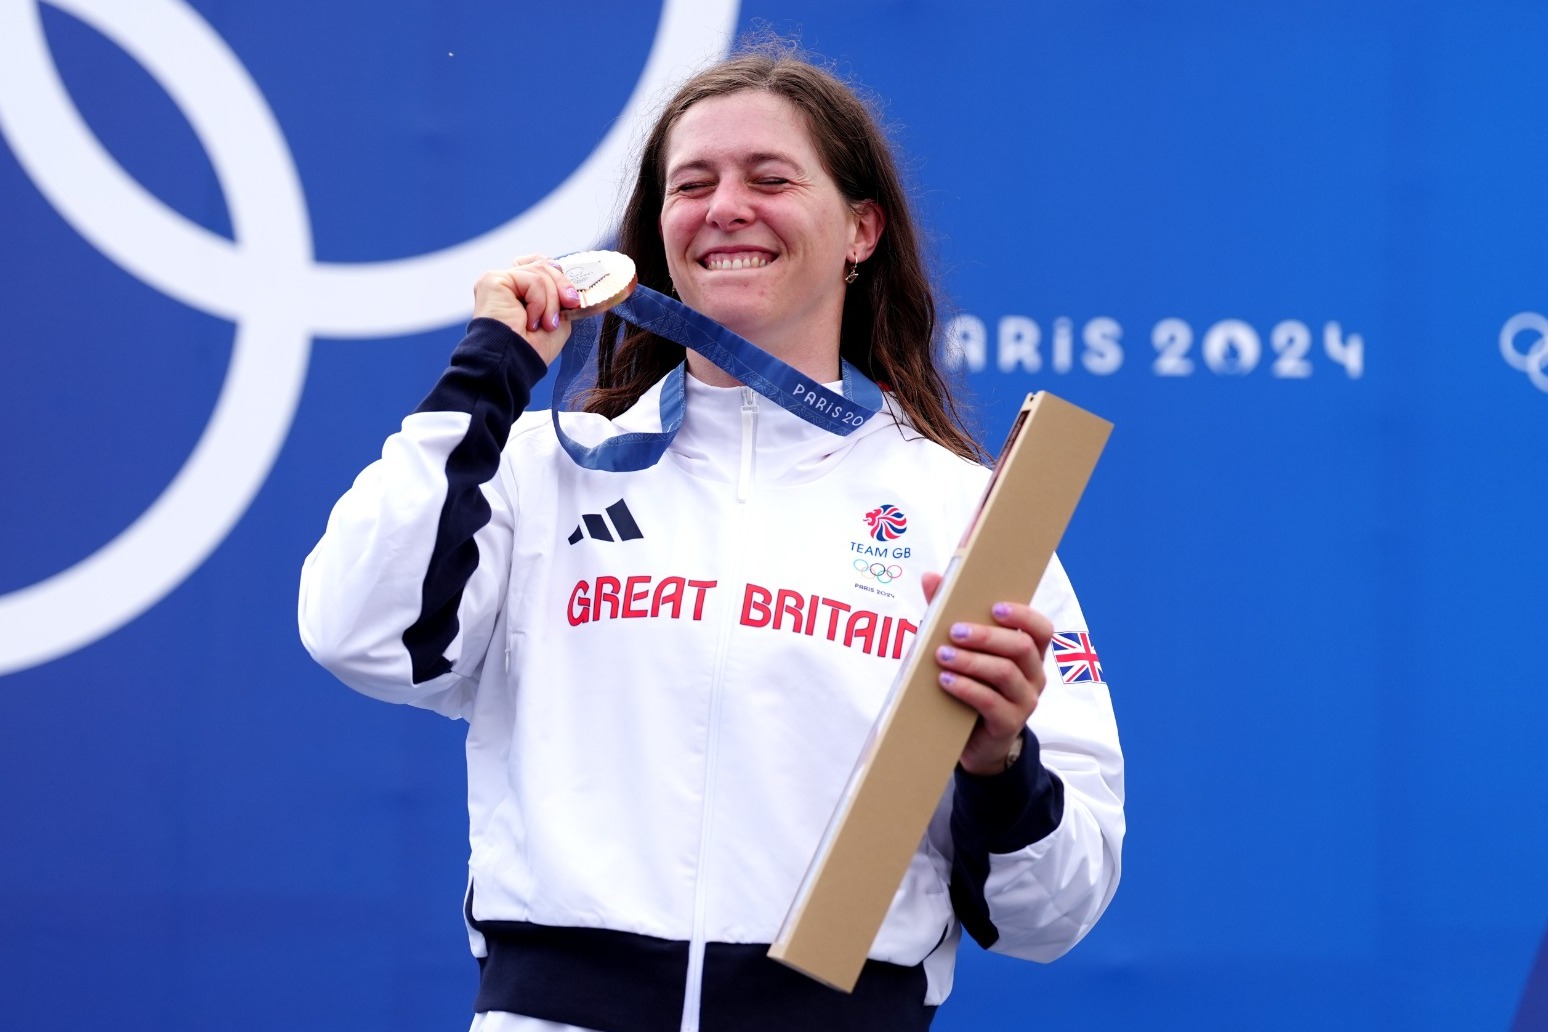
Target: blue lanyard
(793, 391)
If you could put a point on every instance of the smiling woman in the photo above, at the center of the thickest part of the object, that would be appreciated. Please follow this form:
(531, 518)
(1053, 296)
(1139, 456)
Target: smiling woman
(668, 672)
(822, 157)
(757, 236)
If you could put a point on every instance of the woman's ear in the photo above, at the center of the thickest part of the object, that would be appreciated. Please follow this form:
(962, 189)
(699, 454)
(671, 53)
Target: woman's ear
(866, 231)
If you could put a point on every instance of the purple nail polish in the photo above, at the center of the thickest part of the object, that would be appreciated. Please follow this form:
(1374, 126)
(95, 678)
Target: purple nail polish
(946, 679)
(960, 631)
(553, 321)
(1002, 610)
(571, 294)
(946, 653)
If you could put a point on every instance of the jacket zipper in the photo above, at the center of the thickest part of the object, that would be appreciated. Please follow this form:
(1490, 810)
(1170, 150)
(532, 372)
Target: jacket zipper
(694, 989)
(749, 436)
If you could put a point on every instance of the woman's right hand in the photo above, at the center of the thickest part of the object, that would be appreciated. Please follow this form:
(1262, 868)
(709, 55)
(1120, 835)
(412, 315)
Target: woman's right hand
(528, 298)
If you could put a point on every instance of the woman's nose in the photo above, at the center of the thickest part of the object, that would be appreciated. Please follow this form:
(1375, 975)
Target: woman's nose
(729, 207)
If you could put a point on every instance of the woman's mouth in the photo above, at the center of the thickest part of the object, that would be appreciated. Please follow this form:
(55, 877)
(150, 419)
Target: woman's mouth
(731, 262)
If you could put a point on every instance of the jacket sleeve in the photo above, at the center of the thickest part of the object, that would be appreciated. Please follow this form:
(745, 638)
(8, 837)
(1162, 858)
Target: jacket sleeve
(401, 595)
(1036, 851)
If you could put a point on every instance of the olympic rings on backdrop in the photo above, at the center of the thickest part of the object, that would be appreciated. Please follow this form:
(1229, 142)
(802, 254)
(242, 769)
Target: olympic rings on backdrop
(1534, 359)
(265, 279)
(879, 572)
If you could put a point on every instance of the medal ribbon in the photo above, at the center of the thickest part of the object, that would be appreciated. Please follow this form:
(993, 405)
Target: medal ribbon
(667, 317)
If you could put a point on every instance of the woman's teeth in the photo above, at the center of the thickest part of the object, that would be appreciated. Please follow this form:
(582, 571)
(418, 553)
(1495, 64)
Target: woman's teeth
(747, 262)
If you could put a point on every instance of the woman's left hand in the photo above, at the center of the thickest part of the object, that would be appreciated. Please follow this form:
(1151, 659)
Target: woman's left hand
(998, 670)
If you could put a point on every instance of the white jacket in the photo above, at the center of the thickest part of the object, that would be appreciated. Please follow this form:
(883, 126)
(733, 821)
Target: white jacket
(667, 677)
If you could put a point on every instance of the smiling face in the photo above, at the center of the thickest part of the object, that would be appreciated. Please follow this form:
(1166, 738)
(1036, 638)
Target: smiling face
(757, 235)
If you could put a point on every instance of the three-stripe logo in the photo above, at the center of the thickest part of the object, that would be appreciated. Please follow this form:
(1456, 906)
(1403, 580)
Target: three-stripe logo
(595, 525)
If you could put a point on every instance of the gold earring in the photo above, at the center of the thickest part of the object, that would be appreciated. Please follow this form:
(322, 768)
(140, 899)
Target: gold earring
(854, 274)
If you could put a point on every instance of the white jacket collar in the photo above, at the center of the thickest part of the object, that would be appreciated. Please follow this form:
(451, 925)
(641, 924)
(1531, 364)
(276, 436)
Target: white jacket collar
(785, 447)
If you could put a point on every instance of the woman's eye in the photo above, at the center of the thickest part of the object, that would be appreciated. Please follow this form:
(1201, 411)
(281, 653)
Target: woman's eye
(772, 181)
(690, 187)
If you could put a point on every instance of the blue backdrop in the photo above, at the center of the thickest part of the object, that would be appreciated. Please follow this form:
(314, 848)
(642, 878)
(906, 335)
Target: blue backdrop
(1295, 251)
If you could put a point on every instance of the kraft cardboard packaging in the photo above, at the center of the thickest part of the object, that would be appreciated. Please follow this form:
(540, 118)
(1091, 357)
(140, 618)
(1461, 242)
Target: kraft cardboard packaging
(913, 748)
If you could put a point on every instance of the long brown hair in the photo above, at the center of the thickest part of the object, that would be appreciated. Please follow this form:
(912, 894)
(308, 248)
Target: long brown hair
(888, 327)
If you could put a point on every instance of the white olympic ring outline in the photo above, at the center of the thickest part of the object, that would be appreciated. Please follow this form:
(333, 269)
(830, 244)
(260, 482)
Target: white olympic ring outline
(880, 572)
(264, 279)
(1533, 361)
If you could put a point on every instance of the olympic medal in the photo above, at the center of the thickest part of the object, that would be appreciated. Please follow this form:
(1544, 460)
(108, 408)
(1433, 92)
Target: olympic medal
(603, 278)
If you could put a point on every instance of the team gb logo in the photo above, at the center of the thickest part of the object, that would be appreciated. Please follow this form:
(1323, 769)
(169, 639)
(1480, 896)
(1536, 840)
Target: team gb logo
(886, 522)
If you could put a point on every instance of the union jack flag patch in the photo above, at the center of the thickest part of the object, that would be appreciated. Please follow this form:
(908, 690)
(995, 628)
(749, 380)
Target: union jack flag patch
(1078, 663)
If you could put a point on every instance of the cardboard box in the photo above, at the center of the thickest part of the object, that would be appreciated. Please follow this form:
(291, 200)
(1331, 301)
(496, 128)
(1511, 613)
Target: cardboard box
(914, 746)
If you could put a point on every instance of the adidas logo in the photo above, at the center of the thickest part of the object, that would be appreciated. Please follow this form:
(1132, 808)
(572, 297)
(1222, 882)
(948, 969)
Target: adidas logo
(593, 524)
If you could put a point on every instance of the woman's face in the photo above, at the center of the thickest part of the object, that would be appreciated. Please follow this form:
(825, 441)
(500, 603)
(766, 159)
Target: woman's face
(757, 235)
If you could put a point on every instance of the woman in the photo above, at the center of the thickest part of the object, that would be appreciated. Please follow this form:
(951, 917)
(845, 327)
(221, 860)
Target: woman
(669, 673)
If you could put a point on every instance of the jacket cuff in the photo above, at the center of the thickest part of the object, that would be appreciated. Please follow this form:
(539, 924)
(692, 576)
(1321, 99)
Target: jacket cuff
(1013, 809)
(494, 365)
(502, 342)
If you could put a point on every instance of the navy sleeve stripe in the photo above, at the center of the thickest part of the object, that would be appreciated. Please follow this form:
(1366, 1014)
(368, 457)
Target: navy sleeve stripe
(998, 814)
(490, 377)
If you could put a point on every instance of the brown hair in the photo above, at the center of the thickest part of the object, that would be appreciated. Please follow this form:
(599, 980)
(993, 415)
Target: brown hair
(888, 327)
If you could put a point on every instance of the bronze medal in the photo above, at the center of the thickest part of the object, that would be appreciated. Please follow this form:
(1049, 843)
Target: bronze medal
(603, 279)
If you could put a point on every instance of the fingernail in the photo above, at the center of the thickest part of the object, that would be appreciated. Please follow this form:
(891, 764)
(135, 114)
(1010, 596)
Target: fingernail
(553, 321)
(946, 653)
(533, 325)
(1002, 610)
(947, 679)
(571, 294)
(960, 631)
